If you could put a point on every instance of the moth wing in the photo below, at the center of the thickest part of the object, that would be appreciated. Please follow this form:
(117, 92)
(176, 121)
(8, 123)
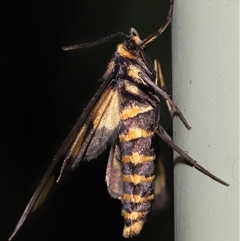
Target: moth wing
(114, 173)
(73, 148)
(101, 128)
(161, 195)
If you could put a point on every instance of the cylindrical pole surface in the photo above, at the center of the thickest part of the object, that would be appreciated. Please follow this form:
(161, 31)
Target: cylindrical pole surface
(206, 88)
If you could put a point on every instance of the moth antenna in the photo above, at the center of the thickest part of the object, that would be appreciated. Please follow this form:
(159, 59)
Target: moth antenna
(95, 43)
(154, 35)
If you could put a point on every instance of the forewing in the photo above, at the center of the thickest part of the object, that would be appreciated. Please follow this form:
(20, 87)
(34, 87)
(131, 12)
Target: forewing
(94, 135)
(74, 141)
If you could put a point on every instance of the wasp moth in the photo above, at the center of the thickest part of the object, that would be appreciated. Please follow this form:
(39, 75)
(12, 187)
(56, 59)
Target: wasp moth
(124, 114)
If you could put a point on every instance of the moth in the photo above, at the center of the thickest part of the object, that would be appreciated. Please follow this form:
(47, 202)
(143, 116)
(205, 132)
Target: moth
(124, 114)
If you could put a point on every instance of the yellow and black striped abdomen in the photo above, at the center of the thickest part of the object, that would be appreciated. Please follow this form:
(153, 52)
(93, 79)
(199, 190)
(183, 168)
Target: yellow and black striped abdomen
(137, 156)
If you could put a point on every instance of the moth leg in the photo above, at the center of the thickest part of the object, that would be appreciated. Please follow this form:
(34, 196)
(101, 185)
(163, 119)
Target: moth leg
(144, 77)
(165, 137)
(157, 111)
(160, 82)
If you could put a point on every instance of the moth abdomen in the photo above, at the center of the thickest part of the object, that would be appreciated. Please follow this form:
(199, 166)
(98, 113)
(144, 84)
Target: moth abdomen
(137, 197)
(137, 157)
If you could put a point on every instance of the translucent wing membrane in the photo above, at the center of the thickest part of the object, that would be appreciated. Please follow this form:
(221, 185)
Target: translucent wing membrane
(99, 128)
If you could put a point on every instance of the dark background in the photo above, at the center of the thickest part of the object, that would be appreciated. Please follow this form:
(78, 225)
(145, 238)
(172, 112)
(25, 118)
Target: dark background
(44, 90)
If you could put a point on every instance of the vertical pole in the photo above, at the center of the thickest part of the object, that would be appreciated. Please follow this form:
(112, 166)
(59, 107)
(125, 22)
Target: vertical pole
(205, 37)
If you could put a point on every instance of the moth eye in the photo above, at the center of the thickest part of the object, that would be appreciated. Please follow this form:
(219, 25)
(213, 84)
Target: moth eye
(131, 45)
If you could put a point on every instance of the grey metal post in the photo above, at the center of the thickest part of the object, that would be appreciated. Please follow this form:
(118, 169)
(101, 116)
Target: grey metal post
(205, 35)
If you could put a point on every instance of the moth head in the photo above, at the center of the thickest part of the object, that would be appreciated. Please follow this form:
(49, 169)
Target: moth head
(133, 41)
